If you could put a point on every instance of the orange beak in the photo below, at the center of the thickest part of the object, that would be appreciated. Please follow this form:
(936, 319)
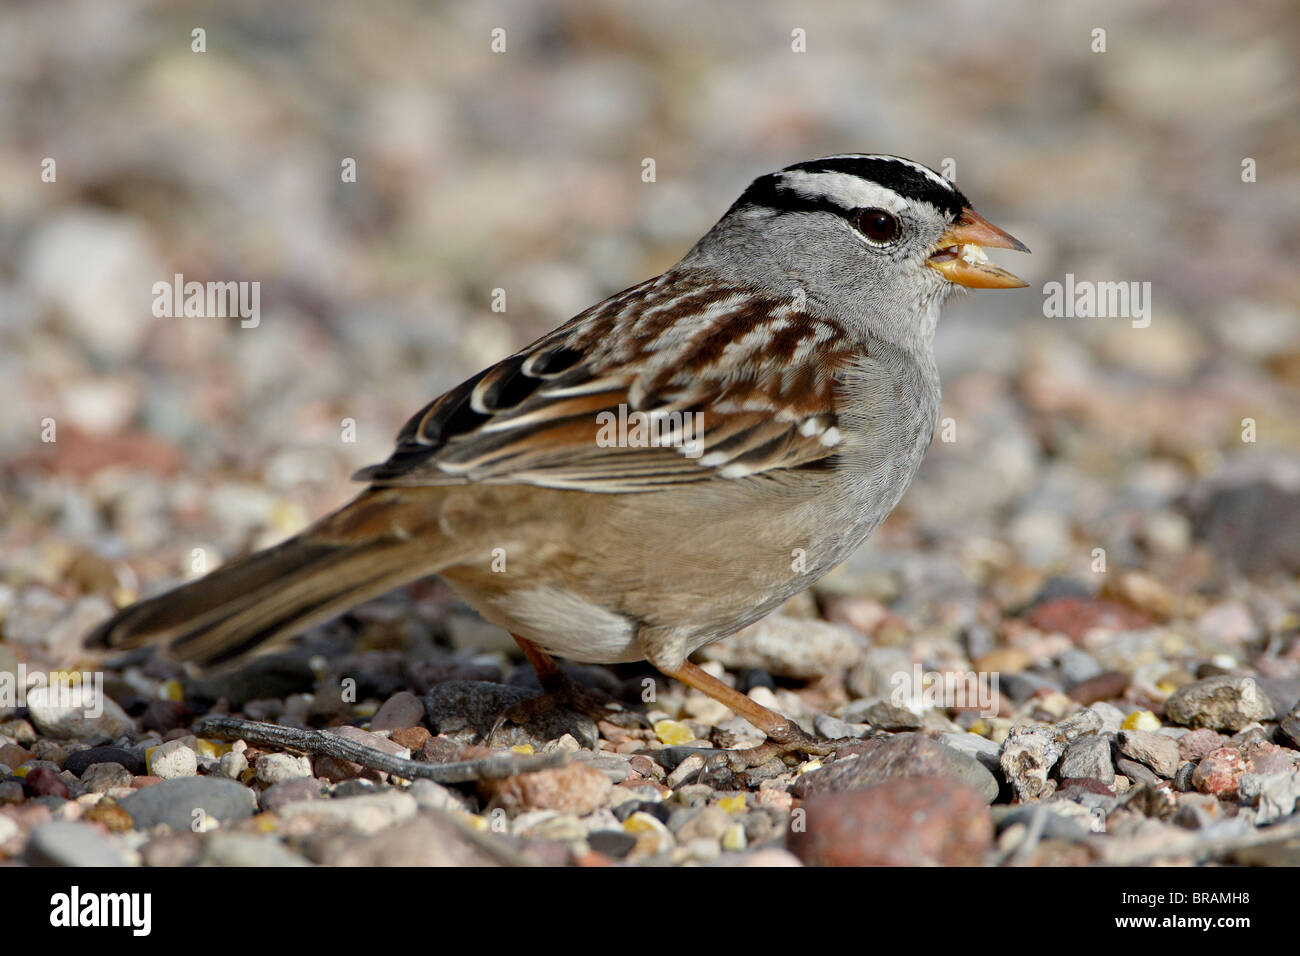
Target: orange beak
(959, 254)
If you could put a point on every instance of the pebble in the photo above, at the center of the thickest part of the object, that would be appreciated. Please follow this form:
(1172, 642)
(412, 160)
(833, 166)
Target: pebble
(613, 843)
(1112, 718)
(1139, 773)
(427, 840)
(402, 710)
(277, 768)
(1274, 795)
(11, 755)
(909, 821)
(863, 765)
(886, 715)
(1219, 772)
(789, 647)
(1028, 755)
(1219, 703)
(71, 844)
(171, 760)
(110, 815)
(1290, 725)
(245, 849)
(1109, 685)
(1088, 758)
(175, 802)
(46, 782)
(81, 760)
(576, 788)
(1197, 743)
(61, 715)
(614, 766)
(1159, 752)
(368, 813)
(653, 838)
(412, 738)
(434, 796)
(293, 789)
(103, 777)
(233, 764)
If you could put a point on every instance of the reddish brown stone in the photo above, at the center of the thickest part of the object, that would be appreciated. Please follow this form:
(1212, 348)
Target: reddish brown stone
(1074, 616)
(1106, 686)
(1198, 743)
(412, 738)
(1219, 773)
(577, 788)
(911, 821)
(44, 782)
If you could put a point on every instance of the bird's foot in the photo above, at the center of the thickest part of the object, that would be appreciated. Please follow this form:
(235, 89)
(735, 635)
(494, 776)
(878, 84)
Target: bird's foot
(562, 693)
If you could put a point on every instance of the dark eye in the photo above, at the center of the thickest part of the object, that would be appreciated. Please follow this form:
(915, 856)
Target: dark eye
(878, 225)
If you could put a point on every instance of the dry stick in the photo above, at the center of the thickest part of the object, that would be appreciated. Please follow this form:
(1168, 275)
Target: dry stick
(494, 767)
(1206, 847)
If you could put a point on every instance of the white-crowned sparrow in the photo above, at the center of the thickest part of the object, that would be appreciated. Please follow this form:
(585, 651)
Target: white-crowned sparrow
(787, 387)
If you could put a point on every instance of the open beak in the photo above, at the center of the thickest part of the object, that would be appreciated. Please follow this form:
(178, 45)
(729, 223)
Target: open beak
(959, 256)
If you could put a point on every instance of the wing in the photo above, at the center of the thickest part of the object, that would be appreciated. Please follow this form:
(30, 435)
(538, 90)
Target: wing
(698, 383)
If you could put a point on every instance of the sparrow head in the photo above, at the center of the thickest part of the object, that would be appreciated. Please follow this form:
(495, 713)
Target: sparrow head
(877, 240)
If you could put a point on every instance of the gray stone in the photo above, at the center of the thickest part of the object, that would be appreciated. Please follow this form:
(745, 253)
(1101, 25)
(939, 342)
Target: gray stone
(364, 814)
(832, 728)
(64, 716)
(103, 777)
(886, 715)
(246, 849)
(182, 802)
(400, 711)
(1088, 758)
(1273, 794)
(1055, 825)
(59, 843)
(291, 790)
(79, 762)
(1290, 725)
(1135, 771)
(615, 766)
(970, 770)
(1079, 725)
(1028, 755)
(434, 796)
(1220, 703)
(1076, 665)
(1183, 778)
(789, 647)
(1157, 751)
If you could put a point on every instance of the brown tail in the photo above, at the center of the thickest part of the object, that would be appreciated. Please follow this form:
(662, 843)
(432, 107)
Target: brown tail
(272, 594)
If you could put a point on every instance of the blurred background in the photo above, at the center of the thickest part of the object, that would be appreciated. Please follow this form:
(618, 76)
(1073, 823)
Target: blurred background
(522, 170)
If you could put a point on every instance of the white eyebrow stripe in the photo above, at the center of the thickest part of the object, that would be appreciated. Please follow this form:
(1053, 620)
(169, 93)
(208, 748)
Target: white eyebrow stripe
(926, 171)
(845, 189)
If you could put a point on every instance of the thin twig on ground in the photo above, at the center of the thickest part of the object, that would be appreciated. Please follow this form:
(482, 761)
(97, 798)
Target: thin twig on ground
(493, 767)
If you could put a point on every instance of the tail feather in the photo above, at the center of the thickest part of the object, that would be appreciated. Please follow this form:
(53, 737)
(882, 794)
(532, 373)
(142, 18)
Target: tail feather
(266, 597)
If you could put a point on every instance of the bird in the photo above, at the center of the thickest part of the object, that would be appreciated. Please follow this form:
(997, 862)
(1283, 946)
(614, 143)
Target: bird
(665, 468)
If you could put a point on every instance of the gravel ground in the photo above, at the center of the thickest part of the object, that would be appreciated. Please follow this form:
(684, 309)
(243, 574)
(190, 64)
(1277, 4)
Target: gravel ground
(1109, 525)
